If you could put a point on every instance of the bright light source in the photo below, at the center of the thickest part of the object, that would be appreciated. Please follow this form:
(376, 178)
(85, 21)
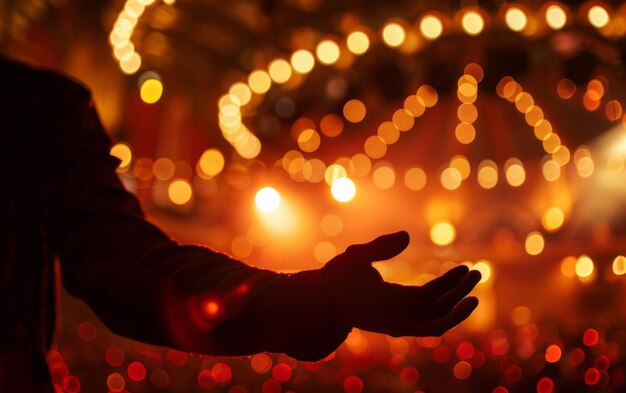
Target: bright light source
(267, 199)
(343, 189)
(180, 192)
(151, 91)
(302, 61)
(598, 16)
(394, 35)
(515, 19)
(442, 233)
(534, 243)
(484, 268)
(123, 153)
(327, 52)
(556, 17)
(584, 266)
(472, 22)
(431, 27)
(358, 42)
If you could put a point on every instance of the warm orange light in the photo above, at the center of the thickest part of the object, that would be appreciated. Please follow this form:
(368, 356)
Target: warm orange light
(584, 266)
(358, 42)
(354, 111)
(521, 315)
(431, 27)
(211, 162)
(555, 17)
(515, 19)
(267, 199)
(472, 23)
(394, 34)
(442, 233)
(327, 52)
(534, 243)
(302, 61)
(619, 265)
(180, 191)
(343, 189)
(598, 16)
(123, 153)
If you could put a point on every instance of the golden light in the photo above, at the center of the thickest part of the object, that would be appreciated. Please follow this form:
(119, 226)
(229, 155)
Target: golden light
(151, 91)
(360, 165)
(568, 267)
(598, 16)
(428, 94)
(514, 172)
(334, 172)
(211, 162)
(451, 178)
(534, 243)
(442, 233)
(259, 81)
(358, 42)
(309, 140)
(487, 174)
(343, 189)
(619, 265)
(465, 133)
(431, 27)
(354, 111)
(394, 34)
(515, 19)
(556, 17)
(472, 23)
(584, 266)
(553, 353)
(553, 219)
(484, 268)
(242, 92)
(551, 170)
(388, 132)
(123, 153)
(327, 52)
(180, 192)
(279, 70)
(164, 169)
(131, 65)
(375, 147)
(302, 61)
(585, 166)
(461, 163)
(415, 179)
(521, 315)
(384, 177)
(267, 199)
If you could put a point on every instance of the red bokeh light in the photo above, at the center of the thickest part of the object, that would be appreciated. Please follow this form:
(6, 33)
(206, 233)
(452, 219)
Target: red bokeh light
(211, 308)
(441, 354)
(545, 385)
(281, 372)
(71, 384)
(592, 376)
(176, 359)
(87, 331)
(206, 380)
(271, 386)
(591, 337)
(500, 389)
(576, 356)
(237, 389)
(553, 353)
(353, 384)
(465, 350)
(602, 363)
(136, 371)
(409, 375)
(116, 382)
(59, 372)
(222, 372)
(114, 356)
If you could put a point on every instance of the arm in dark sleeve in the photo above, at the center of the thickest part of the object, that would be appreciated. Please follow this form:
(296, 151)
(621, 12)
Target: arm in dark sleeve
(144, 285)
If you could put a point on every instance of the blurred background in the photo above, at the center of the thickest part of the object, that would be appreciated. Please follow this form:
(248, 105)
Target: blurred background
(281, 131)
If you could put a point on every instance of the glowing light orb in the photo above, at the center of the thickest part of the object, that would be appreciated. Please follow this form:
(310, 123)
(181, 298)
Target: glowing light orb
(327, 52)
(343, 189)
(302, 61)
(394, 34)
(472, 23)
(584, 266)
(180, 192)
(280, 70)
(431, 27)
(267, 199)
(211, 162)
(553, 219)
(442, 233)
(555, 17)
(358, 42)
(534, 243)
(123, 153)
(151, 91)
(515, 19)
(484, 268)
(598, 16)
(259, 81)
(619, 265)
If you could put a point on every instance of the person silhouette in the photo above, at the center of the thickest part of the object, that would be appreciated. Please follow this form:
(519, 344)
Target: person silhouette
(62, 198)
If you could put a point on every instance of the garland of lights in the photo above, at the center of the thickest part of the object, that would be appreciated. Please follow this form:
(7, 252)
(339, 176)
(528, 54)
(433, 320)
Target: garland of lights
(243, 96)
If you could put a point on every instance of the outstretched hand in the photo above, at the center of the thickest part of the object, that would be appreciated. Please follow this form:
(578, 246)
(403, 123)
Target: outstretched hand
(364, 300)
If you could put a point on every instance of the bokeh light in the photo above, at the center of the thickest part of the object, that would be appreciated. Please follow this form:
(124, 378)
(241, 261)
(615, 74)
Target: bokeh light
(394, 34)
(151, 91)
(267, 199)
(584, 266)
(343, 189)
(442, 233)
(515, 19)
(358, 42)
(180, 191)
(534, 243)
(556, 18)
(431, 27)
(472, 23)
(598, 16)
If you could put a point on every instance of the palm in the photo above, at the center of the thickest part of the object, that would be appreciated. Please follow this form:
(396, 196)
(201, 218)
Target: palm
(367, 302)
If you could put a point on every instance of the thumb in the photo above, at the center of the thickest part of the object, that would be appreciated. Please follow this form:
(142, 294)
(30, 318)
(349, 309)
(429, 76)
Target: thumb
(382, 248)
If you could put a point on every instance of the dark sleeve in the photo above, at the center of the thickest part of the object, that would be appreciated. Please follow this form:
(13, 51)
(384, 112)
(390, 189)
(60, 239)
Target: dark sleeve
(146, 286)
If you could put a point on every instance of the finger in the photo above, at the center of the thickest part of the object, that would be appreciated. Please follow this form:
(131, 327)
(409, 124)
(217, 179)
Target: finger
(439, 326)
(446, 282)
(382, 248)
(458, 292)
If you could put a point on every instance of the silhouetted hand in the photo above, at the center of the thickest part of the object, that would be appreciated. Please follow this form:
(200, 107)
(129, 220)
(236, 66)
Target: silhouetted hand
(308, 314)
(349, 292)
